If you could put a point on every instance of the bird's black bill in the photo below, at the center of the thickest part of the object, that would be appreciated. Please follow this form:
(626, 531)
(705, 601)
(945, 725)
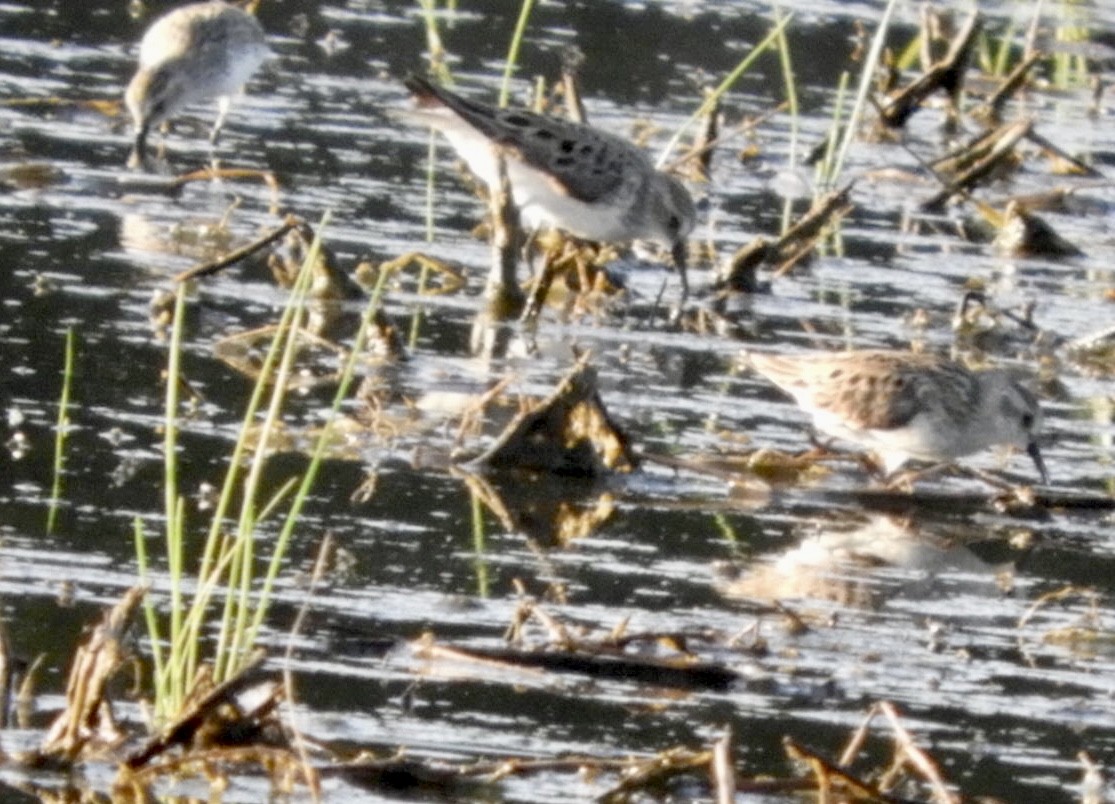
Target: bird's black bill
(1035, 454)
(680, 253)
(138, 156)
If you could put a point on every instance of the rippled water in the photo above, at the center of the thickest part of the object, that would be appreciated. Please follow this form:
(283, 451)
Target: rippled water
(927, 609)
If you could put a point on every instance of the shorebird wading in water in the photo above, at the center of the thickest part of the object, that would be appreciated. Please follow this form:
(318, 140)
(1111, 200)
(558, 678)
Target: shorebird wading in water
(194, 53)
(904, 405)
(565, 175)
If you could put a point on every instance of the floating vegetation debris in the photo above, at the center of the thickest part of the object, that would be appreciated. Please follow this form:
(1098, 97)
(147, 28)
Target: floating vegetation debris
(945, 75)
(568, 433)
(739, 273)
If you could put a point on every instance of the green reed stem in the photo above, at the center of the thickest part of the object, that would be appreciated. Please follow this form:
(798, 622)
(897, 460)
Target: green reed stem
(513, 50)
(910, 56)
(825, 167)
(1001, 64)
(434, 45)
(232, 650)
(431, 176)
(870, 64)
(723, 87)
(320, 448)
(727, 531)
(479, 545)
(172, 501)
(169, 680)
(424, 271)
(154, 630)
(790, 82)
(61, 430)
(538, 96)
(177, 679)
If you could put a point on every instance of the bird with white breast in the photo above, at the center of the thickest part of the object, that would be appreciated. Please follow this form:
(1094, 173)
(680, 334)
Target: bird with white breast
(905, 405)
(192, 54)
(589, 183)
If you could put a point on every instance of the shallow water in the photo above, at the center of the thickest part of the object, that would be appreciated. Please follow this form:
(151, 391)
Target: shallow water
(925, 609)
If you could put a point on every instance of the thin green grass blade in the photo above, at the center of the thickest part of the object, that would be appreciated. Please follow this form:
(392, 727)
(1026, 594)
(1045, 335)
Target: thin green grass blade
(320, 447)
(513, 50)
(869, 66)
(61, 430)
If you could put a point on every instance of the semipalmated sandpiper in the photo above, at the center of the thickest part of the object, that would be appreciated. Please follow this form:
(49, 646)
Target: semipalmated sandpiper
(565, 175)
(194, 53)
(904, 405)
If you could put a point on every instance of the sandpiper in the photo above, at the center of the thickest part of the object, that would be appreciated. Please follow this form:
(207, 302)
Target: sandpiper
(194, 53)
(904, 405)
(565, 175)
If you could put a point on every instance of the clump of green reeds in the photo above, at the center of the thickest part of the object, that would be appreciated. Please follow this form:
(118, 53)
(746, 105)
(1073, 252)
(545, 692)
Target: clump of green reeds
(230, 588)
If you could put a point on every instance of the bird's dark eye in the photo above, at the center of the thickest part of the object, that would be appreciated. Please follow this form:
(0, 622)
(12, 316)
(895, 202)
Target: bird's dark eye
(674, 224)
(1027, 421)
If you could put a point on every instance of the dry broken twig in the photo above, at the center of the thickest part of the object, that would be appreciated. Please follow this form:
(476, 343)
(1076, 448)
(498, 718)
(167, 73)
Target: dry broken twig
(219, 716)
(87, 725)
(917, 757)
(233, 257)
(829, 776)
(947, 75)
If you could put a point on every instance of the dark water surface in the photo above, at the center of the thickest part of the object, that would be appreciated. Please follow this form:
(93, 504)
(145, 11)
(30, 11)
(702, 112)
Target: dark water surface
(925, 610)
